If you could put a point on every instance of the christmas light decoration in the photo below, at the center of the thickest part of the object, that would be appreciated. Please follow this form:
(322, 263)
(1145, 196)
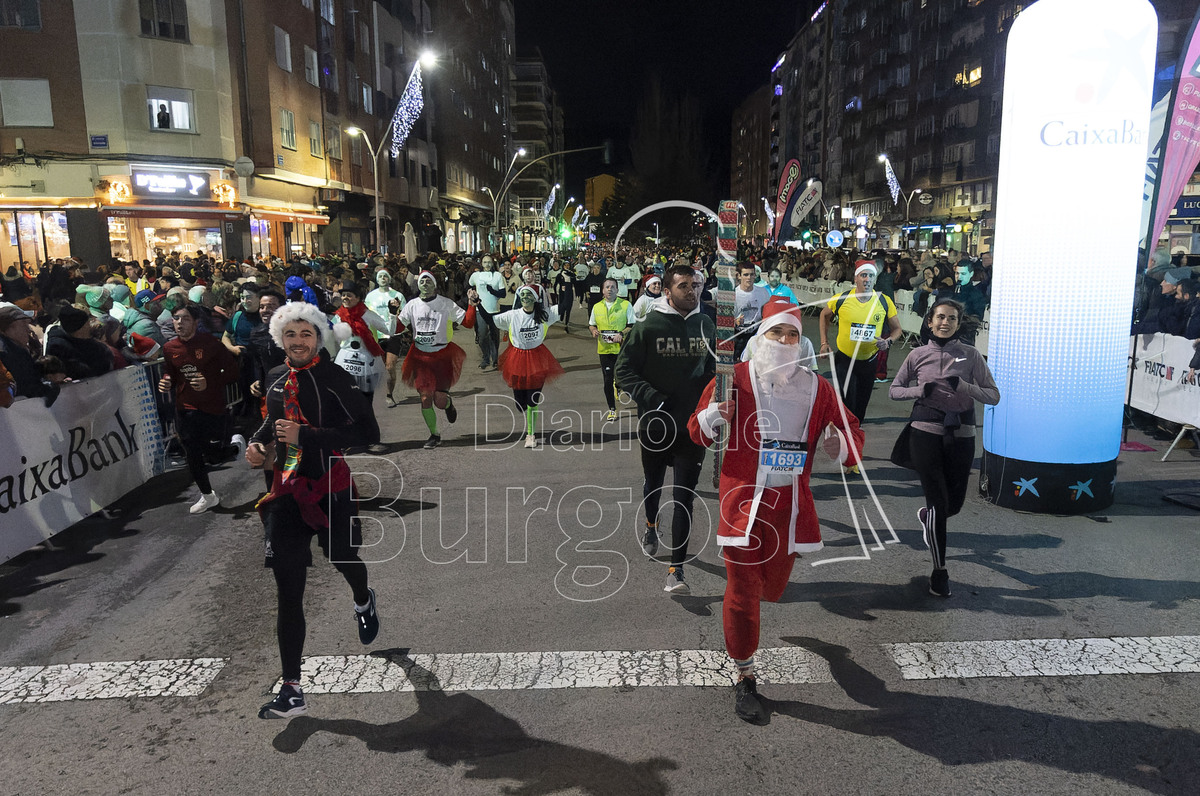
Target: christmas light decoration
(578, 211)
(893, 183)
(549, 203)
(584, 222)
(412, 101)
(770, 213)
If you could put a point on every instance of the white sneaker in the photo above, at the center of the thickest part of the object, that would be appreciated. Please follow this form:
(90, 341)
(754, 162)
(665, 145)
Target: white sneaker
(530, 441)
(205, 503)
(240, 441)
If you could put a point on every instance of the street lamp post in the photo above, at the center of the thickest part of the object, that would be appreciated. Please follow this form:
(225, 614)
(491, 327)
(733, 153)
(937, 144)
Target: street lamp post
(375, 153)
(428, 59)
(497, 196)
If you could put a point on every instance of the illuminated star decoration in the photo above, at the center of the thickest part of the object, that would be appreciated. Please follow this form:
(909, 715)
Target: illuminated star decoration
(412, 101)
(1081, 488)
(1024, 485)
(549, 203)
(770, 213)
(893, 183)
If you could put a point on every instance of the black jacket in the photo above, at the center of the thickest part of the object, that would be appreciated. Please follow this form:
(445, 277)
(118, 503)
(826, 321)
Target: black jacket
(27, 376)
(82, 358)
(336, 414)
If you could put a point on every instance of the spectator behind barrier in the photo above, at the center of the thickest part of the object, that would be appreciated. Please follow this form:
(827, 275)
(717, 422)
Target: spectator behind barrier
(17, 356)
(71, 341)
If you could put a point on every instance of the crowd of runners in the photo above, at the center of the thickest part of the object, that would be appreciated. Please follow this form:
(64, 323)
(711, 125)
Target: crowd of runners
(280, 363)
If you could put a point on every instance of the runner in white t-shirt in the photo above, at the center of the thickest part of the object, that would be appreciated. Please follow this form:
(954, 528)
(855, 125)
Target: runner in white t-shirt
(489, 286)
(434, 362)
(527, 364)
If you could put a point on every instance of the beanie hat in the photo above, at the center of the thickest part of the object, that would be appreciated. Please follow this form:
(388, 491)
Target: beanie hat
(72, 319)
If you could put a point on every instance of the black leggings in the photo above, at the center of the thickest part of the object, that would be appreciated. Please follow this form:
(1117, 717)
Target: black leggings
(608, 365)
(856, 380)
(565, 302)
(685, 473)
(527, 398)
(944, 465)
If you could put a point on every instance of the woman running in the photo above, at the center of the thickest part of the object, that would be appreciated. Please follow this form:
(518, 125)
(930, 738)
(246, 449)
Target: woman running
(946, 377)
(527, 364)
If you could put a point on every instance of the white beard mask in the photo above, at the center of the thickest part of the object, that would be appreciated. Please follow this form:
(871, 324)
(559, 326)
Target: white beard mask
(775, 363)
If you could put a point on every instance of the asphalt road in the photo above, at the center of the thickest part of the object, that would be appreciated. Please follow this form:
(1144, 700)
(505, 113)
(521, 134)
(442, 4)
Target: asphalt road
(485, 547)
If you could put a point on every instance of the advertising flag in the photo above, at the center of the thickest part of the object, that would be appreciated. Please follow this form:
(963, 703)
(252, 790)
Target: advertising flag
(788, 183)
(805, 203)
(1181, 145)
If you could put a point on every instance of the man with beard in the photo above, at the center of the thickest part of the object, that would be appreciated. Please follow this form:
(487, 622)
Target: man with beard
(434, 362)
(314, 413)
(777, 413)
(664, 365)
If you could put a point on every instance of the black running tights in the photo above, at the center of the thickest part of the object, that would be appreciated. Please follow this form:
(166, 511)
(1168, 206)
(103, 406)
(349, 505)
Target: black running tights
(944, 465)
(290, 626)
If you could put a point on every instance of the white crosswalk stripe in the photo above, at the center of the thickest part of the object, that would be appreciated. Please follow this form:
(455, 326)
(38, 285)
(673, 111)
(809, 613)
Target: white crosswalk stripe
(108, 680)
(491, 671)
(1050, 657)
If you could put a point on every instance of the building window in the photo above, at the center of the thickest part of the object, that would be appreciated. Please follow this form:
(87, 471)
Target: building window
(970, 75)
(351, 82)
(287, 129)
(368, 95)
(424, 176)
(310, 65)
(314, 139)
(170, 109)
(164, 19)
(356, 150)
(25, 103)
(333, 141)
(307, 4)
(283, 49)
(364, 37)
(20, 14)
(327, 11)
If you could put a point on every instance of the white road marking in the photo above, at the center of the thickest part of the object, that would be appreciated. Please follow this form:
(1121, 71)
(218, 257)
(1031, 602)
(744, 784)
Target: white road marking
(491, 671)
(1050, 657)
(108, 680)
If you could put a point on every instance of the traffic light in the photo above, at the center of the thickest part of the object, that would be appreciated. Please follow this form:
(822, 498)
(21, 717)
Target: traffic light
(806, 233)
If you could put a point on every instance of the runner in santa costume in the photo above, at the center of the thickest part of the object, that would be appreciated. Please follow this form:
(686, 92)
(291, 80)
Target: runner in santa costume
(433, 363)
(527, 364)
(651, 292)
(778, 413)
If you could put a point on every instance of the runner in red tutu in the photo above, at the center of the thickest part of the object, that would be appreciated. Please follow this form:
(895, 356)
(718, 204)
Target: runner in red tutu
(527, 365)
(433, 363)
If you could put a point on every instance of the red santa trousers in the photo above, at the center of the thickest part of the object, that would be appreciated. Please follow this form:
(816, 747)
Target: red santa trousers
(757, 572)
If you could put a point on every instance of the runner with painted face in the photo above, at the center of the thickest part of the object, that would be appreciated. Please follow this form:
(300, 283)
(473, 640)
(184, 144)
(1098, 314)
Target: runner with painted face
(527, 365)
(434, 362)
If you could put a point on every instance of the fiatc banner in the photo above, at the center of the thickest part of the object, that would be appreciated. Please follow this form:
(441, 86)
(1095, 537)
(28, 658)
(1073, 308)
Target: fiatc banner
(788, 183)
(1073, 146)
(1163, 384)
(805, 203)
(100, 440)
(1181, 143)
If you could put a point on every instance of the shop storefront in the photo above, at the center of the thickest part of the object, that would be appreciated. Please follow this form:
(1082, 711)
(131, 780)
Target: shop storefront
(280, 233)
(32, 237)
(153, 212)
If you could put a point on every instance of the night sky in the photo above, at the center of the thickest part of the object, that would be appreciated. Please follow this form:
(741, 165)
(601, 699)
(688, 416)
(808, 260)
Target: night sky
(600, 54)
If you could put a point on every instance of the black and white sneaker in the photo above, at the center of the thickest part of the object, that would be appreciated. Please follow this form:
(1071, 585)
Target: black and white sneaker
(433, 441)
(289, 703)
(368, 621)
(747, 704)
(675, 582)
(939, 583)
(451, 411)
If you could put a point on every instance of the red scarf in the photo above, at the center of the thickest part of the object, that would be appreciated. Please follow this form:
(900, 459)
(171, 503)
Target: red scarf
(354, 317)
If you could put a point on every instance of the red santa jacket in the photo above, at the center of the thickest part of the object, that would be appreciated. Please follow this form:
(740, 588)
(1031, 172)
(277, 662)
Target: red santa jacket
(742, 487)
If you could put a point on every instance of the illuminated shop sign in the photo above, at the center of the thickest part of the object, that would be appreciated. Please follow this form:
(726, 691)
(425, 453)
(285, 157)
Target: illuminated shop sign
(178, 186)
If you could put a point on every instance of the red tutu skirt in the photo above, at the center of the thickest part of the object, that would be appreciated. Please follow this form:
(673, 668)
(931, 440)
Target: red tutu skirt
(528, 369)
(432, 372)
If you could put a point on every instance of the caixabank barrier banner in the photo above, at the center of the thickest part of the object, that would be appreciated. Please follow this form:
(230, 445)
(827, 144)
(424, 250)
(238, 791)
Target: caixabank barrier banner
(100, 440)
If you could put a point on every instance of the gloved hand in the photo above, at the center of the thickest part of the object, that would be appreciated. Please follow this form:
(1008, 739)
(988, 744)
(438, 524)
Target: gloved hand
(928, 388)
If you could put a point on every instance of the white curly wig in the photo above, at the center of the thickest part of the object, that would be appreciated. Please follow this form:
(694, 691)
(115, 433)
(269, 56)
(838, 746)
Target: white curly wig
(297, 311)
